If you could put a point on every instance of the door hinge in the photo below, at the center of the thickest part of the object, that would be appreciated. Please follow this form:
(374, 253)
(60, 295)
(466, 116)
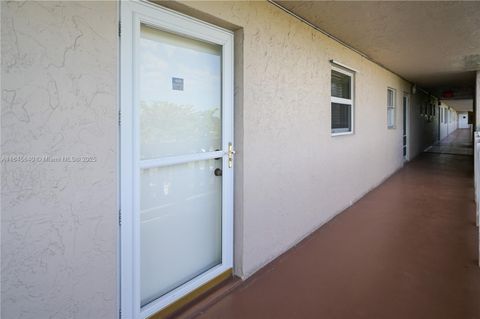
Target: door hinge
(119, 118)
(119, 28)
(120, 217)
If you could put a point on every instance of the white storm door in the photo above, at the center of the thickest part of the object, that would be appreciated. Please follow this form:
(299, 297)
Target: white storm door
(176, 156)
(405, 126)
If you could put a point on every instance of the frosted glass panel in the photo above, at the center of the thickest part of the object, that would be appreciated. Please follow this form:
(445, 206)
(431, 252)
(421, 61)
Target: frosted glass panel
(180, 95)
(180, 225)
(391, 117)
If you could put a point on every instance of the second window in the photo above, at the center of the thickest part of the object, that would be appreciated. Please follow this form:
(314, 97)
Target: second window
(342, 101)
(391, 99)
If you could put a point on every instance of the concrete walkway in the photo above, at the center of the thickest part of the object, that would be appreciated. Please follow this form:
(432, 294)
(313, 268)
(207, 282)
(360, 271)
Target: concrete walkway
(458, 142)
(408, 249)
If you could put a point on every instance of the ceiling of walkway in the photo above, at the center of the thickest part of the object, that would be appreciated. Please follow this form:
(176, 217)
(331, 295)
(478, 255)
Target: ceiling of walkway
(435, 44)
(460, 105)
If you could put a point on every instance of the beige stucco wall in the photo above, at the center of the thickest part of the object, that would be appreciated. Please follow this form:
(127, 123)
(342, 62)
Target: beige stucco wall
(296, 175)
(59, 87)
(423, 132)
(59, 219)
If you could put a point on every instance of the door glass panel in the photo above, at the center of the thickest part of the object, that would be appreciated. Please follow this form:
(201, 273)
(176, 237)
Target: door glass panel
(180, 225)
(180, 94)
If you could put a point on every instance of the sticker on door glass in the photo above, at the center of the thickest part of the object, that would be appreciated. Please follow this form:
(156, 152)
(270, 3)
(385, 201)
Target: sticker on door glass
(177, 84)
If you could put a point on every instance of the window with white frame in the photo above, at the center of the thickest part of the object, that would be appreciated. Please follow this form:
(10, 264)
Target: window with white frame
(391, 103)
(342, 101)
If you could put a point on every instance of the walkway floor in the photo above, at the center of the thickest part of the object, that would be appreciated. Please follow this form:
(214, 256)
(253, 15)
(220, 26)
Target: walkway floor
(408, 249)
(458, 143)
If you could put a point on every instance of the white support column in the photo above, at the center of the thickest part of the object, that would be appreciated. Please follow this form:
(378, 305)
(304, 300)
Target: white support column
(476, 174)
(477, 102)
(477, 153)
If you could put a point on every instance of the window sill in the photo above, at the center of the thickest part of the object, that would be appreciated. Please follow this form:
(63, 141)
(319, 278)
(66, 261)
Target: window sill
(342, 133)
(391, 127)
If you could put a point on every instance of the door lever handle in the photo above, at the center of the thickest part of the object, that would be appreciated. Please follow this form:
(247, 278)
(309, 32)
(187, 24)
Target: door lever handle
(230, 154)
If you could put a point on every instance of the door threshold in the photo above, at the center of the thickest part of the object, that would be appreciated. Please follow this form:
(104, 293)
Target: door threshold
(201, 298)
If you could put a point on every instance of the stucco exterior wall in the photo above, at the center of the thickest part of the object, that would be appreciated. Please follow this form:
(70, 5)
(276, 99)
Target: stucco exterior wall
(59, 88)
(59, 218)
(423, 132)
(453, 123)
(450, 121)
(296, 175)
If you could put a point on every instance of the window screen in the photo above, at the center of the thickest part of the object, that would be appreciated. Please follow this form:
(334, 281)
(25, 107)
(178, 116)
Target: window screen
(341, 118)
(391, 97)
(341, 101)
(341, 85)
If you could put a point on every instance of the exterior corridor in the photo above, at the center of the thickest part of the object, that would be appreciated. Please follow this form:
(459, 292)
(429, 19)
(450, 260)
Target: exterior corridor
(457, 143)
(265, 159)
(408, 249)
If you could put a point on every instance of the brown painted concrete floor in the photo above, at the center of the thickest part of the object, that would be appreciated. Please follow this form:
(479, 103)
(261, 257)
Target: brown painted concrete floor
(459, 143)
(408, 249)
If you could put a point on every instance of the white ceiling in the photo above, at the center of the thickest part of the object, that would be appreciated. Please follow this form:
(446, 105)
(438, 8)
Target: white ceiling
(435, 44)
(460, 105)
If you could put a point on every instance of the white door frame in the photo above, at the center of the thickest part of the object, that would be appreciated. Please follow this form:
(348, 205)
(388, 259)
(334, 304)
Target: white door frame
(133, 13)
(407, 125)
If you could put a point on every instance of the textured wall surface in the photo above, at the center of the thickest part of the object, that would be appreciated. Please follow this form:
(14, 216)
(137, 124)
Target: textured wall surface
(296, 175)
(423, 132)
(406, 36)
(59, 216)
(59, 87)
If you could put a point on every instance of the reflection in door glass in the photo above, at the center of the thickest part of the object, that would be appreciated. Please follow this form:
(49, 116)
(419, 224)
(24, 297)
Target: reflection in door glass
(180, 94)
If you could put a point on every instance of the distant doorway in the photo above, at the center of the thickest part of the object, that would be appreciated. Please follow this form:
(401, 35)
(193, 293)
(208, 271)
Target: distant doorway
(463, 120)
(405, 103)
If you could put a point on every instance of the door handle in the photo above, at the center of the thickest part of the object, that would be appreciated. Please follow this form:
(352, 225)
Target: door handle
(231, 152)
